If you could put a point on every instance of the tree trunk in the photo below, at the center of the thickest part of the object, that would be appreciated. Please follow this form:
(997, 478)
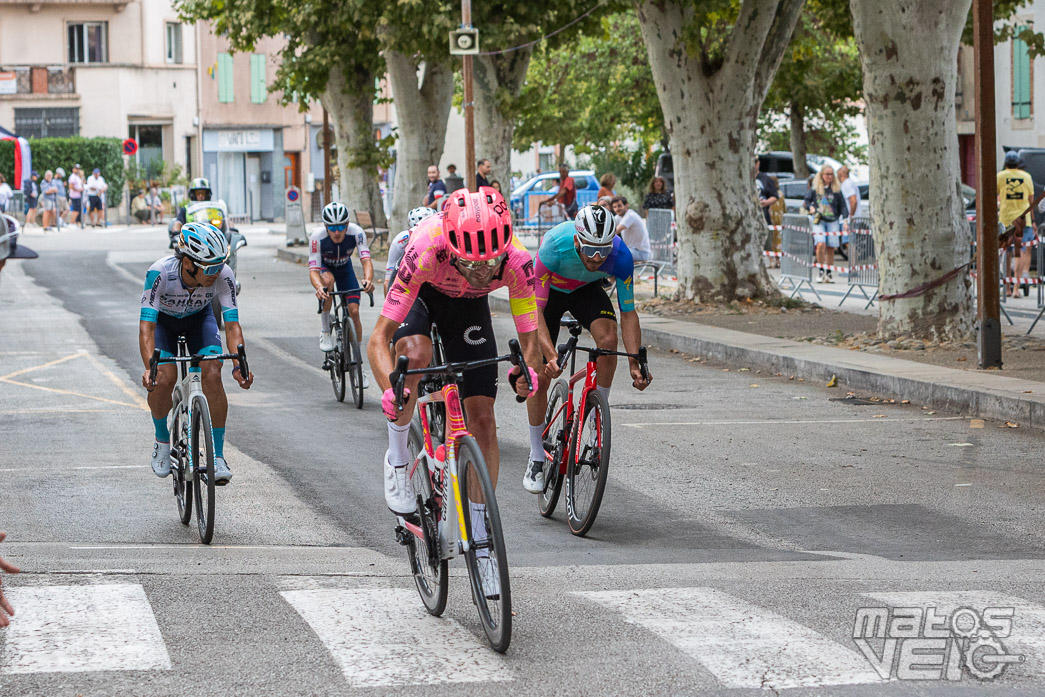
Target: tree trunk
(422, 109)
(798, 141)
(711, 116)
(497, 83)
(349, 99)
(909, 52)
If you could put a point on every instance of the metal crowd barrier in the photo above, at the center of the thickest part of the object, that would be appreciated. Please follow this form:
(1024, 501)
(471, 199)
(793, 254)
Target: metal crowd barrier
(863, 265)
(797, 253)
(659, 224)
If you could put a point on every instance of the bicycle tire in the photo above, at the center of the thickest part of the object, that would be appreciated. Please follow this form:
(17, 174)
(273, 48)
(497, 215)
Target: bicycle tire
(430, 570)
(557, 437)
(354, 364)
(202, 443)
(182, 487)
(336, 361)
(588, 466)
(495, 613)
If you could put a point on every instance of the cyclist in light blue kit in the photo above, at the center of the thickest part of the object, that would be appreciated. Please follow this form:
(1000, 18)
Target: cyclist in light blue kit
(177, 300)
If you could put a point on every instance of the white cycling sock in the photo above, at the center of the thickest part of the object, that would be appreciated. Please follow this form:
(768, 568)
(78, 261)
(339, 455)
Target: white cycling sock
(324, 322)
(479, 533)
(398, 450)
(605, 392)
(536, 444)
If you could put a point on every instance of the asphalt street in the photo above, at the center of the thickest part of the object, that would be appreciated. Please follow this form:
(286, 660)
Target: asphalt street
(747, 519)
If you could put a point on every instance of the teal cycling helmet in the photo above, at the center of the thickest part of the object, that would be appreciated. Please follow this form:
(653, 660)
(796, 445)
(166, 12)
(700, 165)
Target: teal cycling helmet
(203, 243)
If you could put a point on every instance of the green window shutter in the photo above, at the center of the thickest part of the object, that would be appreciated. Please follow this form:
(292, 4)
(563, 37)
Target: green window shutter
(1021, 79)
(226, 90)
(258, 86)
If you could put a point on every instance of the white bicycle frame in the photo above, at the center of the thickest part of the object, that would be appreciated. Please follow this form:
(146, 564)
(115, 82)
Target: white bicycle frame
(189, 385)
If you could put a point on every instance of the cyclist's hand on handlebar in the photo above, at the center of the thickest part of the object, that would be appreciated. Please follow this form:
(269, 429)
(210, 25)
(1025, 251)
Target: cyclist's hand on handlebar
(637, 381)
(552, 369)
(322, 293)
(245, 383)
(515, 378)
(146, 383)
(368, 286)
(388, 402)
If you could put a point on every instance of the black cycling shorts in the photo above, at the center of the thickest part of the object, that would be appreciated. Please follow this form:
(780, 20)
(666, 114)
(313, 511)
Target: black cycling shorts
(587, 304)
(466, 329)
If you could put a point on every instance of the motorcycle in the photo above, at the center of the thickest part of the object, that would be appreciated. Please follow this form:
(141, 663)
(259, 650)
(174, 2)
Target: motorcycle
(215, 213)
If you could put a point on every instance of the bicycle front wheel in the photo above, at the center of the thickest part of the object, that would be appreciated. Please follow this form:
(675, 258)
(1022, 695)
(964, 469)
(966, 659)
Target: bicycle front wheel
(180, 468)
(336, 360)
(588, 465)
(555, 440)
(486, 557)
(201, 446)
(354, 364)
(426, 563)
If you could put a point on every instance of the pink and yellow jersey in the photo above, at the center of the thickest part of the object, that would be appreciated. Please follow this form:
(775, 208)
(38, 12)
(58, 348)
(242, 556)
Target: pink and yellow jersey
(427, 260)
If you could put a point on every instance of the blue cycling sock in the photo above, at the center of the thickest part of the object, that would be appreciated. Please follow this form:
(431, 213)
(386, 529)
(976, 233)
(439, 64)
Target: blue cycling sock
(219, 442)
(163, 435)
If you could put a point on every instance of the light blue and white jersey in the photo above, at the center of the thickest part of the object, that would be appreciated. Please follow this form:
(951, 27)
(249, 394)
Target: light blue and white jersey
(164, 292)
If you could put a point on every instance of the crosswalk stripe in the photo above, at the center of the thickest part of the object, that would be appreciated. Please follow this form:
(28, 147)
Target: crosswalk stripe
(742, 645)
(383, 637)
(83, 628)
(1028, 620)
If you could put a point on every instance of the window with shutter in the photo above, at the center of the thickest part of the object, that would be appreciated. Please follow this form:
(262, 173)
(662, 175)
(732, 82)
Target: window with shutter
(258, 85)
(1021, 78)
(226, 91)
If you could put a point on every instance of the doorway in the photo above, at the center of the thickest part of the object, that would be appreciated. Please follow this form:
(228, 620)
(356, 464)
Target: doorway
(254, 186)
(290, 170)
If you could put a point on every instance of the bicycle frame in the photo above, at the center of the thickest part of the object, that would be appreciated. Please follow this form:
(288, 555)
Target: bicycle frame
(590, 375)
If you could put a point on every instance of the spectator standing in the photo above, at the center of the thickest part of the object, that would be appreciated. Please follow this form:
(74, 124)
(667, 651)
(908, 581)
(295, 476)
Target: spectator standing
(48, 199)
(95, 188)
(567, 193)
(606, 184)
(31, 189)
(75, 187)
(1015, 194)
(435, 184)
(5, 194)
(482, 171)
(451, 170)
(825, 203)
(767, 191)
(632, 229)
(63, 201)
(850, 192)
(657, 195)
(155, 205)
(496, 185)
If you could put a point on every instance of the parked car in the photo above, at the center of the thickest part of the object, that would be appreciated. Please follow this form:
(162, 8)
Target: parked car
(794, 192)
(781, 164)
(526, 197)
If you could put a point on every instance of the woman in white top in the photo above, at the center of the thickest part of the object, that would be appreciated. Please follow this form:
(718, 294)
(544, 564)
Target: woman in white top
(5, 194)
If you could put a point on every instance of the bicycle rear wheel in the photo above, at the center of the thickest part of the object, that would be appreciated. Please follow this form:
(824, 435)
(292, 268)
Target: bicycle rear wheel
(588, 465)
(555, 441)
(486, 557)
(426, 564)
(353, 363)
(180, 467)
(202, 449)
(336, 361)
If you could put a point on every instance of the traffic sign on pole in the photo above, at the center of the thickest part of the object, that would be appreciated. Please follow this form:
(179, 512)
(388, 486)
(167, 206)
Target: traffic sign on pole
(130, 146)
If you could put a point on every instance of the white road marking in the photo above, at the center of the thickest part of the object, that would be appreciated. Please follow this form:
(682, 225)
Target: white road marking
(1028, 620)
(83, 628)
(743, 645)
(642, 424)
(384, 637)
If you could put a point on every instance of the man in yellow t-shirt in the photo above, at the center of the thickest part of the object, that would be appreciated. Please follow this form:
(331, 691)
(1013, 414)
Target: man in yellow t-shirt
(1015, 195)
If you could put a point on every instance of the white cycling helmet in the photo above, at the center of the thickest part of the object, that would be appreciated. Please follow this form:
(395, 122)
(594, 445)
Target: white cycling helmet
(595, 225)
(204, 243)
(335, 213)
(418, 214)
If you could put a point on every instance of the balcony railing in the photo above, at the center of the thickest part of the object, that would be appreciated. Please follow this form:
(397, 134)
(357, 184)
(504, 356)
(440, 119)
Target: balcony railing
(43, 79)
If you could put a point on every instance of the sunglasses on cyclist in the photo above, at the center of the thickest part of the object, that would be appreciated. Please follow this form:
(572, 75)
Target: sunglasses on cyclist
(209, 269)
(337, 228)
(478, 265)
(600, 251)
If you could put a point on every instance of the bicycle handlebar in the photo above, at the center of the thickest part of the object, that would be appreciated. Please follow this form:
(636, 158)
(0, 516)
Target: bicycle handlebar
(344, 292)
(571, 346)
(519, 362)
(240, 357)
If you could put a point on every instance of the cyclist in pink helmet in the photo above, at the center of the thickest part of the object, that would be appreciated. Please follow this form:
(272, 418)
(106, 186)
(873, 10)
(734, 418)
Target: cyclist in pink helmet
(454, 260)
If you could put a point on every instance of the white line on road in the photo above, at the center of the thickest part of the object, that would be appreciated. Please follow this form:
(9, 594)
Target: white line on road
(383, 637)
(743, 645)
(51, 470)
(642, 424)
(83, 628)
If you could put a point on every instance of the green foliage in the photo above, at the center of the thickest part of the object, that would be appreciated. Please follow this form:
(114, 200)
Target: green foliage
(159, 173)
(633, 169)
(591, 92)
(1005, 10)
(50, 153)
(834, 137)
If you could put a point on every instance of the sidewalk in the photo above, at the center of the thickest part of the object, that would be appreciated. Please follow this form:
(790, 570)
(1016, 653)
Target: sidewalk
(986, 394)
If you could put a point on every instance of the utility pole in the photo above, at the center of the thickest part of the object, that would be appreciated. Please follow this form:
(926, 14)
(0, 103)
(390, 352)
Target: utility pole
(469, 105)
(988, 307)
(326, 157)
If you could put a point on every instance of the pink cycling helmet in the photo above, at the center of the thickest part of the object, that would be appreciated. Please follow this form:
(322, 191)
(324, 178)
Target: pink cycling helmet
(478, 224)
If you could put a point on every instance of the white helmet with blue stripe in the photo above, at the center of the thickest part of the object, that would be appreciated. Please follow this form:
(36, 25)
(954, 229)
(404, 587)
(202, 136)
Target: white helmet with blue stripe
(204, 243)
(418, 214)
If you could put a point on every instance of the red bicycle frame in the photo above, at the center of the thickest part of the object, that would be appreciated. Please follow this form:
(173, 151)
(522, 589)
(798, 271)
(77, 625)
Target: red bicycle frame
(590, 374)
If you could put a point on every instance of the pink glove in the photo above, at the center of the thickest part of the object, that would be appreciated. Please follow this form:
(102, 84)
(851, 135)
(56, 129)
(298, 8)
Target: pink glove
(388, 402)
(514, 374)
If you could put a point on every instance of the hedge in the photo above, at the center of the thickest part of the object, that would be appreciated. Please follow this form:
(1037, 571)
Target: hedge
(50, 153)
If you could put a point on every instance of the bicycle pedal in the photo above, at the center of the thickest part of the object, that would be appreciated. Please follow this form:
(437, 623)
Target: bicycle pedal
(325, 366)
(402, 535)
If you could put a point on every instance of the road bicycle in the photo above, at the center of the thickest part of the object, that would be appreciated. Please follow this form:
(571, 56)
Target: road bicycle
(346, 358)
(449, 478)
(192, 441)
(577, 450)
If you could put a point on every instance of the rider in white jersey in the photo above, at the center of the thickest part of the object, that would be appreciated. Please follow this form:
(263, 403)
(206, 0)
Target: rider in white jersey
(397, 249)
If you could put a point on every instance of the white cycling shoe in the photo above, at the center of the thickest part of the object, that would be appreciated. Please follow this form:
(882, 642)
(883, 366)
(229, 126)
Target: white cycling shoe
(533, 480)
(161, 459)
(366, 381)
(326, 342)
(399, 491)
(222, 473)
